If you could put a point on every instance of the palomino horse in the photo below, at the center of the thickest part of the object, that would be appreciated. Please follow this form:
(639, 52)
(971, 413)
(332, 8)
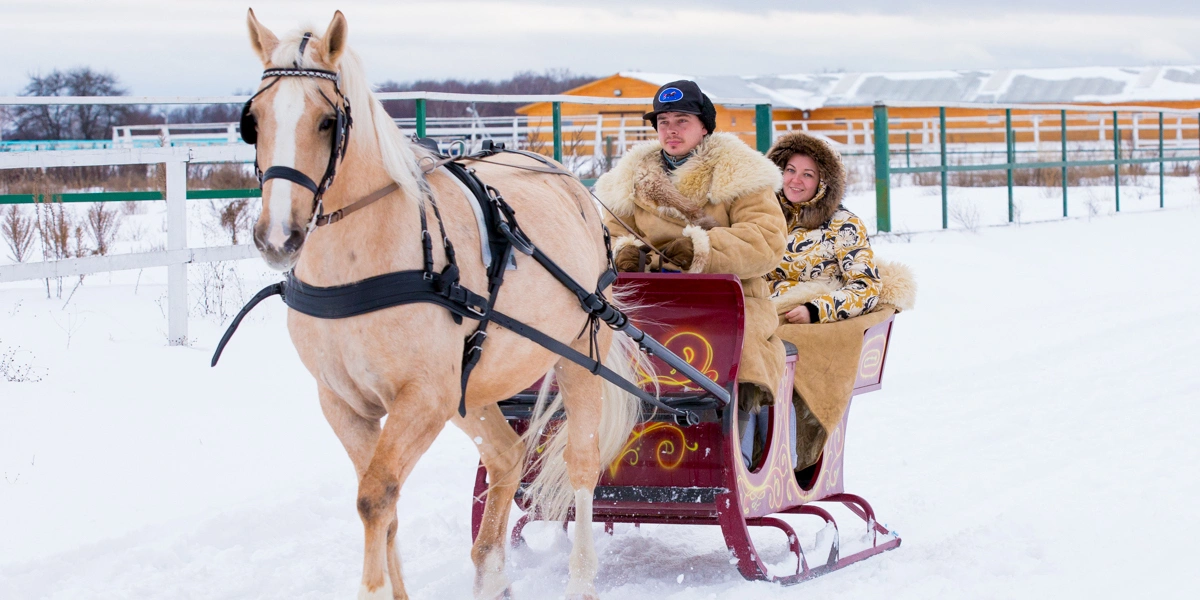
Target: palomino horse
(405, 361)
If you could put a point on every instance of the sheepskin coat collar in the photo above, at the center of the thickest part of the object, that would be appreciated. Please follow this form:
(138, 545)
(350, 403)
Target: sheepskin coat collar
(830, 170)
(722, 169)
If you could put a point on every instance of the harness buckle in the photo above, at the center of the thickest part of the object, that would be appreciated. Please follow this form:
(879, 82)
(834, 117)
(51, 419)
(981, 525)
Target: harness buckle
(478, 312)
(477, 334)
(519, 241)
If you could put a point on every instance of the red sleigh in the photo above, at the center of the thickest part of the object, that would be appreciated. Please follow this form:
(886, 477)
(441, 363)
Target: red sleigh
(671, 473)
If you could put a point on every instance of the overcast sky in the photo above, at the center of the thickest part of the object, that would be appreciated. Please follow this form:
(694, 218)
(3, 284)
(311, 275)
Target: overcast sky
(188, 47)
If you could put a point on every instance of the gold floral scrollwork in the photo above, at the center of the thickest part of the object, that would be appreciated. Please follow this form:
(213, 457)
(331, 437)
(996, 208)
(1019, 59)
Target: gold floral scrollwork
(668, 455)
(836, 445)
(702, 360)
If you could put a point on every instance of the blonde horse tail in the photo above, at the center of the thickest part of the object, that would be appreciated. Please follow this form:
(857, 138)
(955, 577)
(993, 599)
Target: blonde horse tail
(550, 493)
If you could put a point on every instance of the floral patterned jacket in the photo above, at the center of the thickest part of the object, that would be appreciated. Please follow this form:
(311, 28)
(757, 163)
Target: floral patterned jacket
(831, 267)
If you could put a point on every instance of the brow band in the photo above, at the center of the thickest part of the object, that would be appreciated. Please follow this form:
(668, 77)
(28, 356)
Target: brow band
(319, 73)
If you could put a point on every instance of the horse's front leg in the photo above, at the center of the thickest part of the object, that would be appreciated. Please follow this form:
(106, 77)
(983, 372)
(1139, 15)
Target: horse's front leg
(405, 437)
(502, 453)
(359, 436)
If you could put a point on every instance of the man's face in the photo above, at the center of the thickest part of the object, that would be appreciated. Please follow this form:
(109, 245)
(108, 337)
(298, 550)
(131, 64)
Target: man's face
(679, 133)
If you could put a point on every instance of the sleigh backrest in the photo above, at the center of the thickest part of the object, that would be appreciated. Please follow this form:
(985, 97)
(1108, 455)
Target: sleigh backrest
(699, 317)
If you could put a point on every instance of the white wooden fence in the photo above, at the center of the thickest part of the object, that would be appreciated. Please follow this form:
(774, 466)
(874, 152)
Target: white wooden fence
(177, 255)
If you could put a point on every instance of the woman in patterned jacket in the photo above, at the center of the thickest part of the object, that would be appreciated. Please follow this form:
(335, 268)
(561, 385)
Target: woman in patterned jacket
(828, 272)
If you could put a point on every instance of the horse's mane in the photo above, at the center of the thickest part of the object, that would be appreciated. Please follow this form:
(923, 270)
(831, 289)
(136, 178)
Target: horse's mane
(371, 121)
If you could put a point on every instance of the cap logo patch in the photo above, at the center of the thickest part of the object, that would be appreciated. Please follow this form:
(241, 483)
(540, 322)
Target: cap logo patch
(670, 95)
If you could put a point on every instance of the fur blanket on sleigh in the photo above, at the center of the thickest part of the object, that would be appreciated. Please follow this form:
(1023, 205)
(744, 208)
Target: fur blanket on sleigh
(828, 355)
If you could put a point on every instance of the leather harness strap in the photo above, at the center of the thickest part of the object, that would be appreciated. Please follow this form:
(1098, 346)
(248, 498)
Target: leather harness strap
(341, 213)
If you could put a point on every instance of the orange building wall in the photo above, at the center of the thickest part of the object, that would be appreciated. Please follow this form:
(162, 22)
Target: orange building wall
(1049, 129)
(740, 120)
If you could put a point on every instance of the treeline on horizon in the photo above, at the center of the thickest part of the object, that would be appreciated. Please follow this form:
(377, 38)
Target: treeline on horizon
(95, 122)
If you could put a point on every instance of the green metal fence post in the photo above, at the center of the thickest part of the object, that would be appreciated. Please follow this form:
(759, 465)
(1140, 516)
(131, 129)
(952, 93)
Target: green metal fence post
(1009, 144)
(1117, 160)
(1162, 194)
(420, 117)
(1063, 117)
(762, 127)
(556, 107)
(883, 210)
(942, 137)
(907, 150)
(608, 153)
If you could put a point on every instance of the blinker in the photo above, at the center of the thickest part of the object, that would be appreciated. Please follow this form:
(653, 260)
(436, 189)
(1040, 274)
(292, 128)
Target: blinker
(249, 125)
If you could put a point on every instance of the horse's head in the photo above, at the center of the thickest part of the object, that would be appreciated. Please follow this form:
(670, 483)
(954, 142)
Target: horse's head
(299, 120)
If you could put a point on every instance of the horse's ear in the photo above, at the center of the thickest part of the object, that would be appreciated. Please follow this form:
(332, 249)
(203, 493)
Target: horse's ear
(261, 38)
(335, 38)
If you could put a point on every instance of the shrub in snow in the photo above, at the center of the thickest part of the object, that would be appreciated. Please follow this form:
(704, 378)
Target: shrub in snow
(14, 370)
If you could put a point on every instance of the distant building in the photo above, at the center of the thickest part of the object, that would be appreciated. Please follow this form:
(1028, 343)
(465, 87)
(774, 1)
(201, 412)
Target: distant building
(839, 105)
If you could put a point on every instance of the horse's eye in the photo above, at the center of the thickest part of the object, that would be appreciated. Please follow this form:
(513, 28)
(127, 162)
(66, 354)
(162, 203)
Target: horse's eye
(327, 124)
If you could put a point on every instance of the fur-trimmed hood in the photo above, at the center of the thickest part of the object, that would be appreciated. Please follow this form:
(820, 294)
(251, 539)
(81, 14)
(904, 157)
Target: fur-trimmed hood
(830, 169)
(721, 169)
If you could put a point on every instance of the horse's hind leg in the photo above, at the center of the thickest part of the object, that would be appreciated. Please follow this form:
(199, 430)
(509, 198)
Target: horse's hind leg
(501, 451)
(582, 399)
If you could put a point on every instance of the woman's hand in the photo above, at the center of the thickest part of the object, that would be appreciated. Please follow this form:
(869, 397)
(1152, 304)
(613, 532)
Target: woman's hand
(799, 315)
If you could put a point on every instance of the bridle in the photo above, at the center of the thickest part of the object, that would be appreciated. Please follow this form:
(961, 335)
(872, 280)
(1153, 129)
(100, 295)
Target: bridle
(337, 151)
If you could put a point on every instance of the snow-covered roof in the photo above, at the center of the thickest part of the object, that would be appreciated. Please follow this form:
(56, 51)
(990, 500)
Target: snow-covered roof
(1066, 85)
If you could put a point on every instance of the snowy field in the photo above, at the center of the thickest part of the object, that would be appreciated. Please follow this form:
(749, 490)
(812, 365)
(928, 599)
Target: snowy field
(1037, 436)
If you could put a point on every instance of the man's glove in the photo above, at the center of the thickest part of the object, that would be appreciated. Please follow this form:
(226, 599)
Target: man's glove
(680, 252)
(628, 257)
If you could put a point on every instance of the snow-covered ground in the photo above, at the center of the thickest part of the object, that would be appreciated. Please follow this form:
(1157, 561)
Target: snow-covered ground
(1037, 436)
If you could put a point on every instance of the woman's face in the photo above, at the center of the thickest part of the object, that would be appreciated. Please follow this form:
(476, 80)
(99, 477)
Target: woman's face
(800, 179)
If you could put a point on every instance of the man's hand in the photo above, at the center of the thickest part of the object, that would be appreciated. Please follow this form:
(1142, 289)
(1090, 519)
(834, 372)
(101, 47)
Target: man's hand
(627, 259)
(680, 252)
(799, 315)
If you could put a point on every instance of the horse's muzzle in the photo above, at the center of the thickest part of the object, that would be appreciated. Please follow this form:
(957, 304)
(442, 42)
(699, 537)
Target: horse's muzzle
(280, 258)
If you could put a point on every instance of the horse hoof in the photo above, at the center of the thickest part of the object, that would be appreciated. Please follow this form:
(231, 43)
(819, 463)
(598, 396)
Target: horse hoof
(505, 594)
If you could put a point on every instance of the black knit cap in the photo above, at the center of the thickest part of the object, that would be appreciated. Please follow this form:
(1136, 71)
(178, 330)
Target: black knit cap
(683, 96)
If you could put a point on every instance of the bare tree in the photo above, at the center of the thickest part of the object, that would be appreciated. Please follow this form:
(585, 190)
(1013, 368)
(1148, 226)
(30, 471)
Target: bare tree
(66, 122)
(525, 82)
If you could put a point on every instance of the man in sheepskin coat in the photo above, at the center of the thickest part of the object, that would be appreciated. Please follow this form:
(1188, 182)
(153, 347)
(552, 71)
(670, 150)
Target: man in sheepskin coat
(706, 201)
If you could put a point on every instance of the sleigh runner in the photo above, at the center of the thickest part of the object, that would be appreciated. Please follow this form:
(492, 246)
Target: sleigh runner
(672, 473)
